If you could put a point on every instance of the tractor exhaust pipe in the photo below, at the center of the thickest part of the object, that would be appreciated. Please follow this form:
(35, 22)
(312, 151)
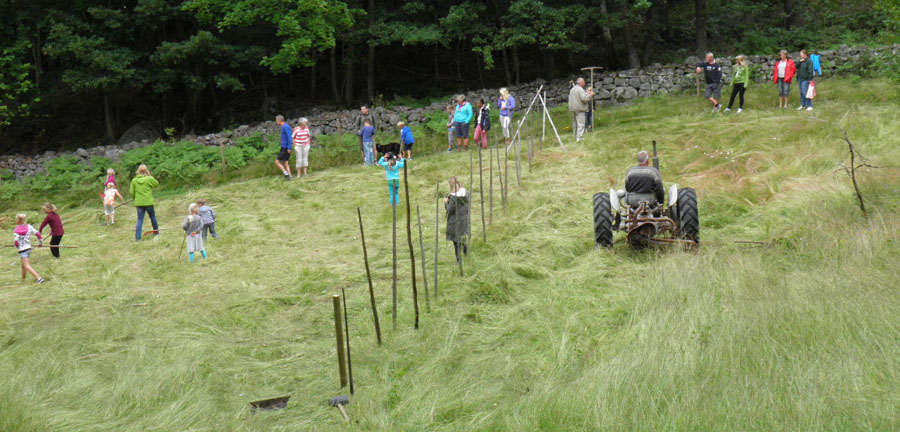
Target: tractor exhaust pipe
(655, 157)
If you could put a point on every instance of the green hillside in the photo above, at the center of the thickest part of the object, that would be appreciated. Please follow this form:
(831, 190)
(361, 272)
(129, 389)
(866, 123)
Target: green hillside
(544, 332)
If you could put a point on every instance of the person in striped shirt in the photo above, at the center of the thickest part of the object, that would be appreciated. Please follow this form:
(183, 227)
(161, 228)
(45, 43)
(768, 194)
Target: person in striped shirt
(301, 146)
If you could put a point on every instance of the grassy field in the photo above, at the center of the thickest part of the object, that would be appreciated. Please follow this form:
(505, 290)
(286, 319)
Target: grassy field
(542, 333)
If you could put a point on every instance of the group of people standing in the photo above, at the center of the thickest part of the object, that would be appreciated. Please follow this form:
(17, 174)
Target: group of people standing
(784, 71)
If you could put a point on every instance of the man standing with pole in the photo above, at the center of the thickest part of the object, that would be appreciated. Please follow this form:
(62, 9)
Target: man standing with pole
(578, 99)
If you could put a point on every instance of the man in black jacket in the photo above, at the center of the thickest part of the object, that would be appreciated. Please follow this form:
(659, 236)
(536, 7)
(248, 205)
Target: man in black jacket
(643, 183)
(712, 72)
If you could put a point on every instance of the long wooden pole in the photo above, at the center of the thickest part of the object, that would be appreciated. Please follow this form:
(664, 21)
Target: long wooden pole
(506, 178)
(481, 196)
(437, 221)
(458, 248)
(347, 334)
(543, 117)
(339, 336)
(424, 271)
(552, 125)
(517, 155)
(362, 235)
(412, 252)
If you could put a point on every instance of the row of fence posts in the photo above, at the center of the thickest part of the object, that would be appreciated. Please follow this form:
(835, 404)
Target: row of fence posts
(527, 127)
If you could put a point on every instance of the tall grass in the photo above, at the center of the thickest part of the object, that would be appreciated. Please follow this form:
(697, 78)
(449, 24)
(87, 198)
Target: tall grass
(543, 333)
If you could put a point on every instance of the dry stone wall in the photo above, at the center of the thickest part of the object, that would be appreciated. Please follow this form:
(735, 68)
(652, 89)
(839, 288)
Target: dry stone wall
(611, 88)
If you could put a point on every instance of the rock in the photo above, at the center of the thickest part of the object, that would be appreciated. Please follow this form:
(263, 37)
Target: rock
(624, 94)
(692, 60)
(82, 152)
(139, 132)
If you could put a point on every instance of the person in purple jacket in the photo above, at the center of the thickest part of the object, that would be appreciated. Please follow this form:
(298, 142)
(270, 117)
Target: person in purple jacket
(284, 154)
(506, 104)
(56, 227)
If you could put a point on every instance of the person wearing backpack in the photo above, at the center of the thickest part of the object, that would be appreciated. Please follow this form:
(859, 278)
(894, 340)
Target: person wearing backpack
(482, 124)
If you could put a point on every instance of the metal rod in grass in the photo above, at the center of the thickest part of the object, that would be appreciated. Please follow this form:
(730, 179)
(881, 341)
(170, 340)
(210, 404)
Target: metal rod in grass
(424, 271)
(339, 337)
(412, 253)
(347, 341)
(437, 221)
(481, 195)
(362, 235)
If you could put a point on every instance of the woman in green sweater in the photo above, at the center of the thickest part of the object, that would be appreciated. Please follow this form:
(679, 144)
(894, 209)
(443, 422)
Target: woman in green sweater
(142, 193)
(739, 82)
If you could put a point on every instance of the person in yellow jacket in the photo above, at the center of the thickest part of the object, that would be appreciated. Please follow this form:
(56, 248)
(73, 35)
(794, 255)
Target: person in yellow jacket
(142, 193)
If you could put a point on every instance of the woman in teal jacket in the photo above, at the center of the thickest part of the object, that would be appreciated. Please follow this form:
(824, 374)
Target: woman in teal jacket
(739, 82)
(461, 118)
(142, 193)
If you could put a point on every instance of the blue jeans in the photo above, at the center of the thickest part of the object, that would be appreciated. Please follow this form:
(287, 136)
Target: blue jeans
(804, 86)
(369, 152)
(394, 191)
(140, 220)
(211, 227)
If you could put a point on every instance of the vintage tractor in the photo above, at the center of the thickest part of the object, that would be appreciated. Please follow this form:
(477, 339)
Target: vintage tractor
(646, 222)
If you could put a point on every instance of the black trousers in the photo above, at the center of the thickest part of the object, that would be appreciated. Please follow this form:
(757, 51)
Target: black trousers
(54, 241)
(737, 89)
(456, 248)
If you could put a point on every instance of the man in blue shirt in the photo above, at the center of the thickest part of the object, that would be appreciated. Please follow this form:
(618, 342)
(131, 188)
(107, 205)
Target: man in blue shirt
(284, 154)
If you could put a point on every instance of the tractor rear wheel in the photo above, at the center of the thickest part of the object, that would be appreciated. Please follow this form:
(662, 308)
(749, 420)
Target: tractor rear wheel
(688, 216)
(603, 220)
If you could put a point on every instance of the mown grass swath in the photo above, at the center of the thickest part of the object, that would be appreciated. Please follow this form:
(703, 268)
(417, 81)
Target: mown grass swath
(544, 332)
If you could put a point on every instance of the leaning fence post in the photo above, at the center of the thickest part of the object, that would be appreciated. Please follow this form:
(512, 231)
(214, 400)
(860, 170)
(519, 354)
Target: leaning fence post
(422, 250)
(481, 195)
(412, 253)
(437, 220)
(362, 235)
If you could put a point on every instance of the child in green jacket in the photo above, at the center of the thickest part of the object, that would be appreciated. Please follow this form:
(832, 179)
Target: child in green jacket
(739, 82)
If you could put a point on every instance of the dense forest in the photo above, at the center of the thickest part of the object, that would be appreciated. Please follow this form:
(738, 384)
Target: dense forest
(77, 72)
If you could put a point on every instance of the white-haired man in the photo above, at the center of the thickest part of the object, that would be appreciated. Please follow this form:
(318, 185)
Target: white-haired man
(712, 72)
(643, 183)
(578, 99)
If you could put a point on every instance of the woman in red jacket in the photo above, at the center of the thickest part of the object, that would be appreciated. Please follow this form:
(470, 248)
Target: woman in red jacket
(784, 72)
(56, 227)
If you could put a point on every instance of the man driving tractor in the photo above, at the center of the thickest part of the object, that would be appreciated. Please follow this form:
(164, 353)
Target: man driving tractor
(643, 183)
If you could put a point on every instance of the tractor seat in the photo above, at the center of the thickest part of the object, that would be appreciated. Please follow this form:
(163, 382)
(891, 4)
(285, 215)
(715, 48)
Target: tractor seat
(634, 200)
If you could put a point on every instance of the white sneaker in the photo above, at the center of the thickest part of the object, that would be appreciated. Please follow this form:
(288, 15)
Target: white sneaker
(727, 109)
(740, 110)
(799, 108)
(809, 108)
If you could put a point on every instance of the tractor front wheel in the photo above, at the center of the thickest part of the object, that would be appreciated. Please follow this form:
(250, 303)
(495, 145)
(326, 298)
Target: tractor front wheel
(688, 216)
(603, 220)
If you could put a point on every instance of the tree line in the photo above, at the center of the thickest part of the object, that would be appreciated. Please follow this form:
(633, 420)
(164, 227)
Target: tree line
(85, 70)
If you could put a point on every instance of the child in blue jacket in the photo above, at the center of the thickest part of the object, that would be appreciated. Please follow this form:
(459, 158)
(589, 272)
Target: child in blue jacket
(406, 138)
(392, 167)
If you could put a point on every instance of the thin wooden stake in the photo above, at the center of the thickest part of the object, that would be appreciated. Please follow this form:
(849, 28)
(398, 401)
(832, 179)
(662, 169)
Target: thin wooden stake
(394, 263)
(347, 334)
(518, 156)
(412, 252)
(506, 178)
(339, 336)
(437, 221)
(362, 235)
(481, 195)
(424, 271)
(491, 187)
(543, 118)
(458, 246)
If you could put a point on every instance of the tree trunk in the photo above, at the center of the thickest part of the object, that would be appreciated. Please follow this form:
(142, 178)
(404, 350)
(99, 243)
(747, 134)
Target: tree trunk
(107, 114)
(664, 19)
(789, 13)
(437, 66)
(312, 82)
(370, 66)
(333, 69)
(607, 33)
(506, 67)
(700, 26)
(38, 59)
(348, 74)
(515, 56)
(634, 59)
(549, 64)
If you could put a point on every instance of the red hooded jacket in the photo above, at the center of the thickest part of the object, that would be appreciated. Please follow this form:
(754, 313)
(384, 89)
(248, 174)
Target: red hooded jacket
(789, 71)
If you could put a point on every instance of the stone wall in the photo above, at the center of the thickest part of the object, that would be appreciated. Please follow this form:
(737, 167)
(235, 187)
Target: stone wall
(611, 88)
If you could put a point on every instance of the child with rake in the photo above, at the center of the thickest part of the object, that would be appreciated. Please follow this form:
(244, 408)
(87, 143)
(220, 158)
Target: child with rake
(192, 226)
